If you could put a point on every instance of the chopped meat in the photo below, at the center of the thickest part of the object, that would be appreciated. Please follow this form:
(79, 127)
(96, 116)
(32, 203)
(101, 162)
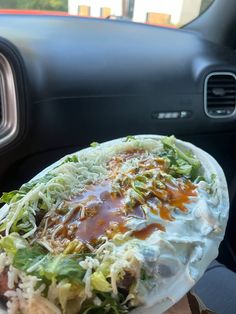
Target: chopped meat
(127, 281)
(3, 286)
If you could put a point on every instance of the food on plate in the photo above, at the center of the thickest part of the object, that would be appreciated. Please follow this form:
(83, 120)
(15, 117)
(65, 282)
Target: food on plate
(125, 226)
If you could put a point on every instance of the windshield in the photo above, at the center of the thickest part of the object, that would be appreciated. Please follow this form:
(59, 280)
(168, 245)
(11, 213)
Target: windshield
(171, 13)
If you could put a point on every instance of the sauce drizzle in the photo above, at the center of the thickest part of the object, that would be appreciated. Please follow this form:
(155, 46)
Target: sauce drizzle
(98, 211)
(147, 231)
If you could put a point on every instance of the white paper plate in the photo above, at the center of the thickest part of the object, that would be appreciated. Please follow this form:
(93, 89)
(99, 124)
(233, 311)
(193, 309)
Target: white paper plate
(179, 285)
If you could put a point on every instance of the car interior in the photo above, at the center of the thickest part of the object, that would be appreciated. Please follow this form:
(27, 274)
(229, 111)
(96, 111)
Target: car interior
(67, 81)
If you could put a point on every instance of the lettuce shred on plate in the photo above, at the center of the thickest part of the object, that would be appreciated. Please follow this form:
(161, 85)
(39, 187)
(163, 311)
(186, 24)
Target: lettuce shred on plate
(83, 237)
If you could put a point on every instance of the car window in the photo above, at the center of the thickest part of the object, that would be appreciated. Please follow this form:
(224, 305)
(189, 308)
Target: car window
(171, 13)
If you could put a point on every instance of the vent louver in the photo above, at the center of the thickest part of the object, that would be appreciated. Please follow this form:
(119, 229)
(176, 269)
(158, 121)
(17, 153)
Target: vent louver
(220, 95)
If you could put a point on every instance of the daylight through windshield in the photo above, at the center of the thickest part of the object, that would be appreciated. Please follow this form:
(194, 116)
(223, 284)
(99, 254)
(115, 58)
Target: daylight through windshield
(171, 13)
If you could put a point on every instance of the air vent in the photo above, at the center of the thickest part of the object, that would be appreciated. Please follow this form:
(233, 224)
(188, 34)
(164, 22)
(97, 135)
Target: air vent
(220, 95)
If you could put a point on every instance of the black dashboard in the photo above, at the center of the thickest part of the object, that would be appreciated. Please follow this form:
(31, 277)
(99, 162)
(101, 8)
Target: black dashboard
(80, 80)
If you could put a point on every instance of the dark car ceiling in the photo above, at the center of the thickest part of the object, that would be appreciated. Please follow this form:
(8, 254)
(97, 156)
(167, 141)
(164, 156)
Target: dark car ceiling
(81, 80)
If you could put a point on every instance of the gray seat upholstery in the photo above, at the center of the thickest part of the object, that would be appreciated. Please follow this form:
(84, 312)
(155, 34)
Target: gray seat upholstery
(217, 289)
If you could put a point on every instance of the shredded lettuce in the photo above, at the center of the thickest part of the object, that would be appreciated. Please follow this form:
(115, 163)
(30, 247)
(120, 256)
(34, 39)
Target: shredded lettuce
(109, 304)
(130, 138)
(45, 194)
(27, 257)
(71, 158)
(14, 196)
(49, 267)
(210, 187)
(94, 144)
(8, 196)
(100, 283)
(13, 243)
(67, 292)
(199, 179)
(182, 162)
(105, 266)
